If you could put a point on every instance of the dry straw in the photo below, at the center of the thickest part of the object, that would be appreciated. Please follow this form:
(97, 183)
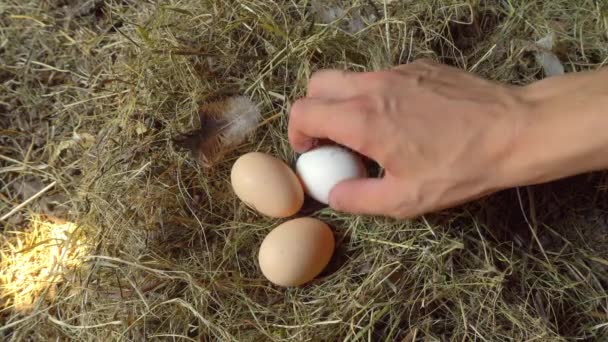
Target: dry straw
(93, 93)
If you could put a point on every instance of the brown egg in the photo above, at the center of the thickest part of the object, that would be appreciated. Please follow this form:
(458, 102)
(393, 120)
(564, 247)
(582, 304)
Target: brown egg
(296, 251)
(267, 185)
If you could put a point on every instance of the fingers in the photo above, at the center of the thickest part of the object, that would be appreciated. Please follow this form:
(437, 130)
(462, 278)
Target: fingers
(418, 65)
(340, 84)
(342, 121)
(429, 70)
(338, 105)
(368, 196)
(333, 84)
(325, 87)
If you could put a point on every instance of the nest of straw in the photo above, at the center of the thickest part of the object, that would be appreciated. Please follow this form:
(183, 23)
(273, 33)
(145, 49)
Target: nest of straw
(150, 245)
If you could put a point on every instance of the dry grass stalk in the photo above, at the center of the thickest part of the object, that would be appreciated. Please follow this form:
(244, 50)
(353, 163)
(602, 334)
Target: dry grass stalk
(173, 252)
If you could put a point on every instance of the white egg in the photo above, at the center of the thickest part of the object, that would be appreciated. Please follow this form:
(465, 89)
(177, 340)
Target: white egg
(323, 167)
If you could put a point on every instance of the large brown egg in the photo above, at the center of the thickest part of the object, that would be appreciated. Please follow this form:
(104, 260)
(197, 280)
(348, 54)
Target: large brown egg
(296, 251)
(267, 185)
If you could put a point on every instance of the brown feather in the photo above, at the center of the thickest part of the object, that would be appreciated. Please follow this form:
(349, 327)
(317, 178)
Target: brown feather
(221, 128)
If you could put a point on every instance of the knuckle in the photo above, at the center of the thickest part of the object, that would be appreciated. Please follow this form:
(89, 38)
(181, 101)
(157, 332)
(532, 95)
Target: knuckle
(433, 72)
(409, 206)
(422, 77)
(314, 83)
(296, 109)
(371, 105)
(377, 79)
(362, 105)
(363, 123)
(379, 104)
(369, 118)
(420, 71)
(425, 61)
(321, 77)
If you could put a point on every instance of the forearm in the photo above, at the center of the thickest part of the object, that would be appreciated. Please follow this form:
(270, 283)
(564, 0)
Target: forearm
(564, 130)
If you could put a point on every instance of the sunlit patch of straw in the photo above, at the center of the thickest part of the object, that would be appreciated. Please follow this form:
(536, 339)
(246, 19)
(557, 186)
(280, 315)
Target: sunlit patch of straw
(35, 261)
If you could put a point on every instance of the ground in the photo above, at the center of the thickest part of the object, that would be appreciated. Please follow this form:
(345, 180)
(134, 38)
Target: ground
(128, 238)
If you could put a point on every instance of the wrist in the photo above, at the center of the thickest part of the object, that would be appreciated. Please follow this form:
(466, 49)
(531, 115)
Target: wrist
(560, 130)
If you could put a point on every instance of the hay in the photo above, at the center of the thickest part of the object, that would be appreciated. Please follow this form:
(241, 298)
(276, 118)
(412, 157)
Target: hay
(93, 93)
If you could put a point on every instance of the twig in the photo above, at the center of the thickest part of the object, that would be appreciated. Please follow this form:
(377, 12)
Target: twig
(27, 201)
(66, 325)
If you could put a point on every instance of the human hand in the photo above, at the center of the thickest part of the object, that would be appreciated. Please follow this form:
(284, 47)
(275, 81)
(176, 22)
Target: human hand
(443, 136)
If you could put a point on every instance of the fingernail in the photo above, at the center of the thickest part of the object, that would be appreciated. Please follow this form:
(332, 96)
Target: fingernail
(333, 202)
(307, 145)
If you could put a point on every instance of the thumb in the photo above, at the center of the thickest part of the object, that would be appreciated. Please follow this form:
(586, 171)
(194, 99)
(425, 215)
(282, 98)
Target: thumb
(373, 196)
